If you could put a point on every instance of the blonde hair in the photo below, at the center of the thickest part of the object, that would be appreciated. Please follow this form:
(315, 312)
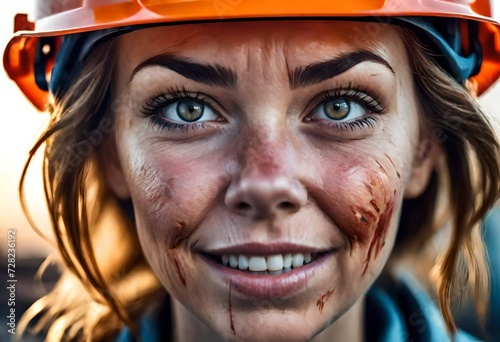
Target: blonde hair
(100, 291)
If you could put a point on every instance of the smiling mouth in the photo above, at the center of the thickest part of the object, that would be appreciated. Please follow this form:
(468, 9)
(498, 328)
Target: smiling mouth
(271, 265)
(275, 270)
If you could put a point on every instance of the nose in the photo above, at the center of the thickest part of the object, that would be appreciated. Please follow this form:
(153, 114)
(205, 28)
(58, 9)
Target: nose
(263, 196)
(266, 186)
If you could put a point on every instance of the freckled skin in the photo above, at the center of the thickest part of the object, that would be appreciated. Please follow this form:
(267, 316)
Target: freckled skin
(349, 182)
(258, 153)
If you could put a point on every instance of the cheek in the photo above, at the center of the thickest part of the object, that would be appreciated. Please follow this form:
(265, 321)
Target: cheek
(361, 199)
(370, 209)
(173, 193)
(171, 196)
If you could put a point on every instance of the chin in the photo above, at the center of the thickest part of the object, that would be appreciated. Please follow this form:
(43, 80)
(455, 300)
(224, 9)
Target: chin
(264, 321)
(270, 326)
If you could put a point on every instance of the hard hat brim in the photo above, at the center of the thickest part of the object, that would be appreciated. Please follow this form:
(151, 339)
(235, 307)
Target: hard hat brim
(20, 52)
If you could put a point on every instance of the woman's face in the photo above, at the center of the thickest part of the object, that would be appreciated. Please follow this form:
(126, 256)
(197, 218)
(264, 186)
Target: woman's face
(267, 163)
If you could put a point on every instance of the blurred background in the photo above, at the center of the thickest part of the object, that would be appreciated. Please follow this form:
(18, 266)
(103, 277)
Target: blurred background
(20, 124)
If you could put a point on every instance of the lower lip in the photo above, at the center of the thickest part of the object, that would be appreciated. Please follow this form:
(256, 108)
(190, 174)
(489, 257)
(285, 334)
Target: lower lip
(261, 286)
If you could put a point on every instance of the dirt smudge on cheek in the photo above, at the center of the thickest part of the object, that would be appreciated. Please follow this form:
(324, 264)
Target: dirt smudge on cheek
(180, 233)
(150, 184)
(369, 191)
(393, 165)
(375, 206)
(323, 299)
(178, 270)
(378, 239)
(367, 210)
(361, 200)
(231, 321)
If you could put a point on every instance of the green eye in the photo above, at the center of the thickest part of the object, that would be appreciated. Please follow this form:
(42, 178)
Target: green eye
(337, 109)
(190, 110)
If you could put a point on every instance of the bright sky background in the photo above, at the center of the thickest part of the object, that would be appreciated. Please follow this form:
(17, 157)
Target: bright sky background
(20, 124)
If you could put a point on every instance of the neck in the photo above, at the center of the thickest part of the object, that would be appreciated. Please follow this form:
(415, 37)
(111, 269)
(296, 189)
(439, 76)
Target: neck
(188, 328)
(349, 327)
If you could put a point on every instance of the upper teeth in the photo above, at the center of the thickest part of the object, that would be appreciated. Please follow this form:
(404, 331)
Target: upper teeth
(276, 262)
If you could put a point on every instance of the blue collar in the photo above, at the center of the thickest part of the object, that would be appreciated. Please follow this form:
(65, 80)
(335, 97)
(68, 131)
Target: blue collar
(401, 311)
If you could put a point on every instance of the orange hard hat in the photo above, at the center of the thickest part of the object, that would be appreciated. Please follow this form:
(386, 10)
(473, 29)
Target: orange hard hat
(56, 18)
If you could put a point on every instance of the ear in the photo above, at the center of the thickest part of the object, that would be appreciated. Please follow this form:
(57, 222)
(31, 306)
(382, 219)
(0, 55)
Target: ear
(424, 162)
(111, 166)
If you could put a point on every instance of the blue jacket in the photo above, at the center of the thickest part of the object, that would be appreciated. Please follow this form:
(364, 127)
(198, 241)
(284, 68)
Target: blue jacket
(395, 311)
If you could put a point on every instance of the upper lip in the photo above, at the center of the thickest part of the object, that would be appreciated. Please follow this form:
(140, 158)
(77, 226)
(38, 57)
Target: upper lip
(255, 248)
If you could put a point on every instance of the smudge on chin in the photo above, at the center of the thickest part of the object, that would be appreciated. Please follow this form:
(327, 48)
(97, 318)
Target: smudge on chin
(323, 299)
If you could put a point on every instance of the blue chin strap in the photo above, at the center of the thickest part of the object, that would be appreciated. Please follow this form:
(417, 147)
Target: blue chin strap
(442, 35)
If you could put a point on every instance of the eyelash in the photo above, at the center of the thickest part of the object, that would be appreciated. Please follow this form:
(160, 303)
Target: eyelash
(366, 98)
(150, 109)
(369, 98)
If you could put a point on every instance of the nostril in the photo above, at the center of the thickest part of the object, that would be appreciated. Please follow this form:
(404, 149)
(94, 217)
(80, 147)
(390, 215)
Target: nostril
(244, 206)
(286, 205)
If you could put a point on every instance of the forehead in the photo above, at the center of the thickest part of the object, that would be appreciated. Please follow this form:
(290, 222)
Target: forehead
(298, 42)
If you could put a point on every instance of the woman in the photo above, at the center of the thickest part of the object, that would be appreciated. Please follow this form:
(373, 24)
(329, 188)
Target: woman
(261, 180)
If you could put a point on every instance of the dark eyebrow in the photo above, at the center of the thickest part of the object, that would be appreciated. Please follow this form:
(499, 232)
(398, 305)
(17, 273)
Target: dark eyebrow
(216, 75)
(322, 71)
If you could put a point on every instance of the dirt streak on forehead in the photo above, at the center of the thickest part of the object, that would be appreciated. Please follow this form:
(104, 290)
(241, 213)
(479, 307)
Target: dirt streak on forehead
(246, 45)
